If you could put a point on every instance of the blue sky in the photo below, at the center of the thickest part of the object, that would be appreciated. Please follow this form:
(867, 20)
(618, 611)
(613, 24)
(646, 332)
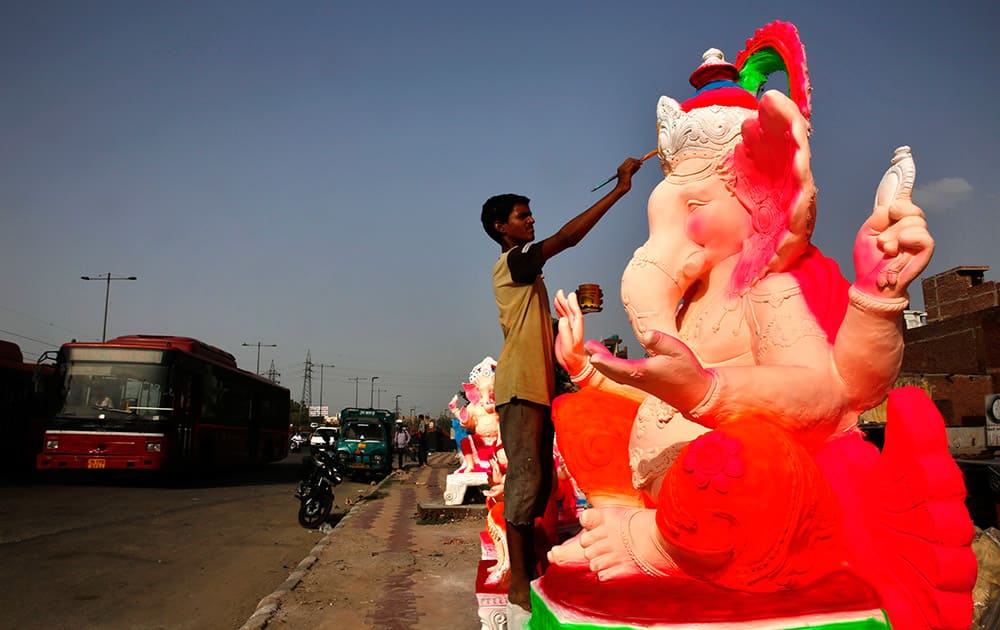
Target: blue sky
(310, 174)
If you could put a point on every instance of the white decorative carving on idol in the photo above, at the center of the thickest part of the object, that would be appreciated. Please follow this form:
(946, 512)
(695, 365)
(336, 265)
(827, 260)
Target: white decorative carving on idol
(652, 428)
(493, 612)
(898, 179)
(706, 132)
(713, 57)
(497, 620)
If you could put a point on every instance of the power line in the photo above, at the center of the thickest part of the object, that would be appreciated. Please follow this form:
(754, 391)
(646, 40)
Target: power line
(39, 319)
(48, 343)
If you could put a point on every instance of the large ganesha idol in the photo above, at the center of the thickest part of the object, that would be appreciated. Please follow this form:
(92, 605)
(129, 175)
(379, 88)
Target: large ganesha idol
(729, 481)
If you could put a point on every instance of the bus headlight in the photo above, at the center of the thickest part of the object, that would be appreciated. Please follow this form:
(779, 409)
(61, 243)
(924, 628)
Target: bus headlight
(153, 447)
(51, 445)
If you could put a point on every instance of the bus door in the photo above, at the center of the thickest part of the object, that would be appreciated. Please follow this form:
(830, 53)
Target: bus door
(253, 428)
(185, 403)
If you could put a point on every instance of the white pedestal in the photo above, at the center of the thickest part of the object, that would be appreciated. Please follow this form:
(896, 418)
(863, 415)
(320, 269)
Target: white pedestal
(456, 483)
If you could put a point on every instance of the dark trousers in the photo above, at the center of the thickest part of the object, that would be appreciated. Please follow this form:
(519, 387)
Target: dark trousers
(527, 433)
(399, 456)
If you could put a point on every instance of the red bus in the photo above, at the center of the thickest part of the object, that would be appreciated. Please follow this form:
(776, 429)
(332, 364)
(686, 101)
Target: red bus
(152, 402)
(22, 408)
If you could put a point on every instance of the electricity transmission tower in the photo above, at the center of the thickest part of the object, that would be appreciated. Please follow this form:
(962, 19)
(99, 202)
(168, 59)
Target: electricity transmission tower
(273, 374)
(306, 387)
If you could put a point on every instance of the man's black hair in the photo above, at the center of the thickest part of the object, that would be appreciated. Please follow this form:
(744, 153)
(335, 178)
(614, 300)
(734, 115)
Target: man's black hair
(498, 208)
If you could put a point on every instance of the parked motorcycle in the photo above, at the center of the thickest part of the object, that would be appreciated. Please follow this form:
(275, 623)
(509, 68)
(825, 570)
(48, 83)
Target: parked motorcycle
(321, 472)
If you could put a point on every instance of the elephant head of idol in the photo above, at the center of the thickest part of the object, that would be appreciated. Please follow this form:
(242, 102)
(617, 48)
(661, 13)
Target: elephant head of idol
(725, 211)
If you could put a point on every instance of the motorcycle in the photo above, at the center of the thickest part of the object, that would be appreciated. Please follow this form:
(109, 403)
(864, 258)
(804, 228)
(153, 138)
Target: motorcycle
(315, 490)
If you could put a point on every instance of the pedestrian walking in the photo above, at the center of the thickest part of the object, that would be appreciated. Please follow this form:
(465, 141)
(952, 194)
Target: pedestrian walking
(402, 441)
(422, 428)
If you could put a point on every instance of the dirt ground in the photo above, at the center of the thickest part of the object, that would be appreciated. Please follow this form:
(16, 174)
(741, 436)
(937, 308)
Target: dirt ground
(383, 568)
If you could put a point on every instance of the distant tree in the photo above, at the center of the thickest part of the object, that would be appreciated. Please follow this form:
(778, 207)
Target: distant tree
(294, 413)
(443, 422)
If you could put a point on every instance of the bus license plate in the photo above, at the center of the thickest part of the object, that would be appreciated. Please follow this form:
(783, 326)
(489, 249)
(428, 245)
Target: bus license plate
(95, 463)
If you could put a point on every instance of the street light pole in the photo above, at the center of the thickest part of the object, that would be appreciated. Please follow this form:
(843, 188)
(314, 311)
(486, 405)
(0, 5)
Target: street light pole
(107, 296)
(371, 402)
(356, 379)
(321, 366)
(259, 344)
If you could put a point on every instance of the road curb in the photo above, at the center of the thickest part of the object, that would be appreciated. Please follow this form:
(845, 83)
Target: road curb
(267, 607)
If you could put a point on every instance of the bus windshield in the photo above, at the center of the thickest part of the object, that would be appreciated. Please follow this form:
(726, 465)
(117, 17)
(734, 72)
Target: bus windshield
(113, 390)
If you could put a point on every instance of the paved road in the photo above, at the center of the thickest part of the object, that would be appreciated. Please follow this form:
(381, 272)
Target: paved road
(127, 553)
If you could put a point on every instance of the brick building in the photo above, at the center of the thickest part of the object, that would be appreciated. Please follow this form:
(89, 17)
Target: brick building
(957, 352)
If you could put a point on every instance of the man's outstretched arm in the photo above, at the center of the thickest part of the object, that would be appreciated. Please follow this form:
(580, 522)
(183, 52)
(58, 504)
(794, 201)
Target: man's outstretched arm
(578, 227)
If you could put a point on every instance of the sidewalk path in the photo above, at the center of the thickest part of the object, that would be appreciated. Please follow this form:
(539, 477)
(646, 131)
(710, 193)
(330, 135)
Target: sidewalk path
(381, 568)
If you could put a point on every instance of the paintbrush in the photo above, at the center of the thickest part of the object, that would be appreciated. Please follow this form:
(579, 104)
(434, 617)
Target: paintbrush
(615, 176)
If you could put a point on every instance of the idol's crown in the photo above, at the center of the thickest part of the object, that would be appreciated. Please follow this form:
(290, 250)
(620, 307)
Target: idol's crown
(707, 125)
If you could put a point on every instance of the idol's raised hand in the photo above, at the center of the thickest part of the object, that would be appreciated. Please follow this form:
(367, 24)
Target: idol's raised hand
(893, 246)
(569, 341)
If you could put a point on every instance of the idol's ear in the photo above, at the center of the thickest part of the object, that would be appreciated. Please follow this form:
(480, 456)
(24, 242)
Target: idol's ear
(471, 393)
(668, 133)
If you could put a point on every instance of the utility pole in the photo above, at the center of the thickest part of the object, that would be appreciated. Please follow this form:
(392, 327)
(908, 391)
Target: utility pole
(398, 396)
(379, 398)
(321, 366)
(355, 379)
(273, 374)
(259, 344)
(306, 387)
(371, 402)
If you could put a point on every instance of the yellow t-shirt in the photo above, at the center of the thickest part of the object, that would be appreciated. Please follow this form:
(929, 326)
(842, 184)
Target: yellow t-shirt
(525, 369)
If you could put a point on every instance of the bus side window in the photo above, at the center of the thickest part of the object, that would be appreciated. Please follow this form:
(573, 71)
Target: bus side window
(211, 392)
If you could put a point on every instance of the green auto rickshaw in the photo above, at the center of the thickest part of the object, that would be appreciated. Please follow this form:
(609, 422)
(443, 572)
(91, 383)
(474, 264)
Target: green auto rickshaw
(365, 443)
